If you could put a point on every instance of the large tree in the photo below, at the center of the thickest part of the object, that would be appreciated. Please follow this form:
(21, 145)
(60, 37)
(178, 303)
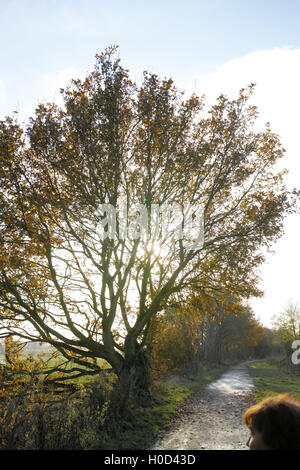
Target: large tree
(66, 281)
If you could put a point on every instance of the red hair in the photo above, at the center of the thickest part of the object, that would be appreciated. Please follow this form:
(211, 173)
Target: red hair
(278, 420)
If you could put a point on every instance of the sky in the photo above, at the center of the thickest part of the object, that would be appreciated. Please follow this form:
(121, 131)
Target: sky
(205, 46)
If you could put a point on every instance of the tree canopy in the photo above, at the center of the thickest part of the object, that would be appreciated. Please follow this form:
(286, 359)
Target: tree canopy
(65, 279)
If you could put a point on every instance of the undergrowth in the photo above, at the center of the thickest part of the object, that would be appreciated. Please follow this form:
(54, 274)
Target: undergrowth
(78, 422)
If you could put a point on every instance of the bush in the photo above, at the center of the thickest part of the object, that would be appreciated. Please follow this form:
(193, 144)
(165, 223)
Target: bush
(36, 420)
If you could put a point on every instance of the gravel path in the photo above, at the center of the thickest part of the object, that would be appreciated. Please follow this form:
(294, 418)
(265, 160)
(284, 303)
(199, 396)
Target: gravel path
(213, 418)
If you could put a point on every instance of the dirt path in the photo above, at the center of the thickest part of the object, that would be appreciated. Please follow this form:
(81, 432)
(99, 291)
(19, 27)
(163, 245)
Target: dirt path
(213, 417)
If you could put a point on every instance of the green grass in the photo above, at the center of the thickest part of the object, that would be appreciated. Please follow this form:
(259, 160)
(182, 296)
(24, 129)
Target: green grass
(60, 361)
(270, 380)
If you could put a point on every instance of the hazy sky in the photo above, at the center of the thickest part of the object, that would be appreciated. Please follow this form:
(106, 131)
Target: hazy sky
(207, 46)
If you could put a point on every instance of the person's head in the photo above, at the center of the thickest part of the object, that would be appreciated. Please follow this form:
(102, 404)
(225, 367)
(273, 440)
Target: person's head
(274, 423)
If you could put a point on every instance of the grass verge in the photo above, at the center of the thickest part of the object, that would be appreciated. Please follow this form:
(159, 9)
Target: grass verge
(270, 380)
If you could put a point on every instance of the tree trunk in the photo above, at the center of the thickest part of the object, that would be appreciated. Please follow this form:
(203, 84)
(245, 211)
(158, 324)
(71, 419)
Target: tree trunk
(133, 384)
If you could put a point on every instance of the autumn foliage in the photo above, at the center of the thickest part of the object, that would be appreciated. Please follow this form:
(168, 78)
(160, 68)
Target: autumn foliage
(95, 298)
(207, 330)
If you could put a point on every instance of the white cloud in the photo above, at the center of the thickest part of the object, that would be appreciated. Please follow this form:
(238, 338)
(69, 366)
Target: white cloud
(276, 73)
(53, 82)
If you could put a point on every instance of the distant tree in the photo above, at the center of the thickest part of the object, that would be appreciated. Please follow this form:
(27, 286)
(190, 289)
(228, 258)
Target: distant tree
(287, 325)
(207, 330)
(243, 334)
(65, 282)
(288, 322)
(231, 331)
(269, 344)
